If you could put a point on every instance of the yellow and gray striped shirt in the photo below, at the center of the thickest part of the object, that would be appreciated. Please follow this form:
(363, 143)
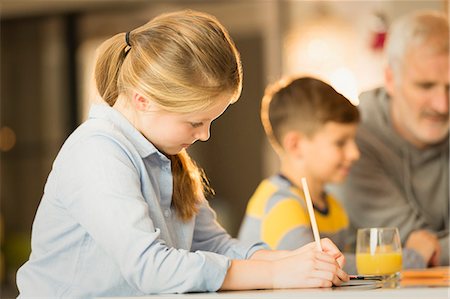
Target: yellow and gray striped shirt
(277, 214)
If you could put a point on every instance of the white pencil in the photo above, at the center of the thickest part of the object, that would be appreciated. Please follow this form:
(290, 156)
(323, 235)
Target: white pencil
(311, 214)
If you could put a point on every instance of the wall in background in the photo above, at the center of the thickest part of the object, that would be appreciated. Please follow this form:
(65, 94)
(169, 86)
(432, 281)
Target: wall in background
(35, 118)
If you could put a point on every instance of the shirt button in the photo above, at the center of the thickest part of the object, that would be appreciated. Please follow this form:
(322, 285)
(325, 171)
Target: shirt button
(166, 213)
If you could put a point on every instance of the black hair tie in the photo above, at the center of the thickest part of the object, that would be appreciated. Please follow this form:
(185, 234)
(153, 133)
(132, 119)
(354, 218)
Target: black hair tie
(127, 39)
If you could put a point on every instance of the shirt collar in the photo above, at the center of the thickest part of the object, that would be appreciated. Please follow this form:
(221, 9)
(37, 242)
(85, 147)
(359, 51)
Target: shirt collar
(103, 111)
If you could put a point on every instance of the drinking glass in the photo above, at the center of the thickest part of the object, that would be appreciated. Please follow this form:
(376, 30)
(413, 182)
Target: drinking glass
(378, 251)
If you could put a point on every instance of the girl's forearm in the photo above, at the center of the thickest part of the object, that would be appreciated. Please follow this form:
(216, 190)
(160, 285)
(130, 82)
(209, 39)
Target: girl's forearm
(248, 274)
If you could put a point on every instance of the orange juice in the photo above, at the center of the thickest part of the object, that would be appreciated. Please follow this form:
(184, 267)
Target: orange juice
(380, 263)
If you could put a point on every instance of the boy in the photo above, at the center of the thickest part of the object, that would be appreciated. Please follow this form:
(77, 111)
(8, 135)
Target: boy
(312, 128)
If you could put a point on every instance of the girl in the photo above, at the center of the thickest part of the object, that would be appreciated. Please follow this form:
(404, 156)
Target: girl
(124, 211)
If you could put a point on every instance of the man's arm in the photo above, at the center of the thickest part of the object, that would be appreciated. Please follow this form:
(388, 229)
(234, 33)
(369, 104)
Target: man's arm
(373, 195)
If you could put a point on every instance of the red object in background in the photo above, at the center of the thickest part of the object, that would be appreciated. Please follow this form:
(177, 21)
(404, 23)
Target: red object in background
(378, 39)
(379, 28)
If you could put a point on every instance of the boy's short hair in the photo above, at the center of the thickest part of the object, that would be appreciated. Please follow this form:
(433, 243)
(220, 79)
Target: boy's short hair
(304, 104)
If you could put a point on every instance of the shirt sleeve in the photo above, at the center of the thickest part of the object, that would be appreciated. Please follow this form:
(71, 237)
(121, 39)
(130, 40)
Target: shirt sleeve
(100, 188)
(209, 235)
(411, 259)
(445, 252)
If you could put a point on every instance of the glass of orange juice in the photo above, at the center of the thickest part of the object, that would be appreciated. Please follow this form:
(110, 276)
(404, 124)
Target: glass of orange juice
(378, 251)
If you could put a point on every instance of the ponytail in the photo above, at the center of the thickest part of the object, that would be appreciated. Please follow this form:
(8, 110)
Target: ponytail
(110, 59)
(189, 185)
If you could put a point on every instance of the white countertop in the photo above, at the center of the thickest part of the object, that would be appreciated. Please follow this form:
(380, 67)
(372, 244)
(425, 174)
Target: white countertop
(343, 292)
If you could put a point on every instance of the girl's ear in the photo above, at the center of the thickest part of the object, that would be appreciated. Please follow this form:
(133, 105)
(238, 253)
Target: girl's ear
(292, 143)
(140, 103)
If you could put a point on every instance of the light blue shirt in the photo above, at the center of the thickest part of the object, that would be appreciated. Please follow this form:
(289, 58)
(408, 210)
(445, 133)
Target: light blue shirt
(105, 225)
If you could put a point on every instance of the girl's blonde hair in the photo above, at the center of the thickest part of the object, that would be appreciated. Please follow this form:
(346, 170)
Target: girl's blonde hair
(181, 61)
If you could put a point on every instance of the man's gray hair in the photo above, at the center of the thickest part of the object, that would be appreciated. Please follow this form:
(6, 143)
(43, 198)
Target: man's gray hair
(418, 28)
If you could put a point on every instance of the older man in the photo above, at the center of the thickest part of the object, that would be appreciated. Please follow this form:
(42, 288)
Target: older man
(402, 177)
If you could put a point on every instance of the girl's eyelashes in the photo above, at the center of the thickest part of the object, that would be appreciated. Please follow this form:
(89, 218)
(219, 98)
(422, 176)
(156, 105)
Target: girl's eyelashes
(196, 125)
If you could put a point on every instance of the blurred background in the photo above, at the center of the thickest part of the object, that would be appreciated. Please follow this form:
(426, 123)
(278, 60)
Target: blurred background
(47, 57)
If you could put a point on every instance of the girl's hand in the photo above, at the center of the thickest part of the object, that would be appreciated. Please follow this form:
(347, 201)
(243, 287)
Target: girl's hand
(305, 267)
(308, 267)
(327, 246)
